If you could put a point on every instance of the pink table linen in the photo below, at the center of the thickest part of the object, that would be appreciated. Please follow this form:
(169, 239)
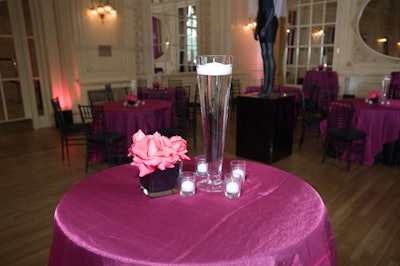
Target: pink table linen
(380, 122)
(172, 94)
(107, 220)
(326, 80)
(128, 120)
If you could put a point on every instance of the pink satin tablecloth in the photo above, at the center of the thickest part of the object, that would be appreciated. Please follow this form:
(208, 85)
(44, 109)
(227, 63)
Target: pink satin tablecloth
(172, 94)
(380, 122)
(326, 80)
(151, 115)
(107, 220)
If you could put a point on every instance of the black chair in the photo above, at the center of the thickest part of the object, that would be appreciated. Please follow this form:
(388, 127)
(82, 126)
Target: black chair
(174, 83)
(70, 134)
(340, 135)
(310, 115)
(97, 136)
(100, 96)
(235, 91)
(349, 96)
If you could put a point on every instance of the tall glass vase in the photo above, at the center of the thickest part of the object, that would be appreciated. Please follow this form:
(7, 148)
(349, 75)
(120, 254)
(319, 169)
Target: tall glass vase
(214, 73)
(385, 89)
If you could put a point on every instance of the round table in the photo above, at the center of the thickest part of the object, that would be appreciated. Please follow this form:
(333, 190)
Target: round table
(278, 220)
(148, 116)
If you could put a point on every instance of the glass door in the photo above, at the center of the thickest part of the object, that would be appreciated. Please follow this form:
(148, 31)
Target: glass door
(19, 73)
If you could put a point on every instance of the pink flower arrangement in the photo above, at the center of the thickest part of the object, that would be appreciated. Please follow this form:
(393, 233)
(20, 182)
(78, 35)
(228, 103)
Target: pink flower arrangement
(156, 84)
(151, 152)
(374, 95)
(131, 98)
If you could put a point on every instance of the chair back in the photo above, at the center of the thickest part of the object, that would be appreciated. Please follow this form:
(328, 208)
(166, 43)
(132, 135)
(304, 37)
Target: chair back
(58, 113)
(174, 83)
(142, 83)
(93, 119)
(181, 112)
(326, 97)
(235, 88)
(100, 96)
(340, 115)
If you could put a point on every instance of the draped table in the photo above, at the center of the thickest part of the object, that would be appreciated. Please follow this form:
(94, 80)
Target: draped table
(171, 94)
(327, 82)
(278, 220)
(151, 115)
(394, 89)
(380, 122)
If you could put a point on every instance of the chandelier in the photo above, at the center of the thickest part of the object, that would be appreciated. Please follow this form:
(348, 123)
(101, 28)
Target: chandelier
(103, 8)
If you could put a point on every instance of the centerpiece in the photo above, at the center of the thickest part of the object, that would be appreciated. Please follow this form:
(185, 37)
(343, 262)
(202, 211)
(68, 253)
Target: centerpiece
(131, 99)
(158, 159)
(156, 85)
(374, 96)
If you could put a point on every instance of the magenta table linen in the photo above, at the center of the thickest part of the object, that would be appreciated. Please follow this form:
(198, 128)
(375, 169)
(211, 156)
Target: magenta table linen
(380, 122)
(107, 220)
(172, 94)
(152, 115)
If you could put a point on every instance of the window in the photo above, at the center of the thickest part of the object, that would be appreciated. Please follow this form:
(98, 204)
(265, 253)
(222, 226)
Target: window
(310, 37)
(175, 35)
(187, 38)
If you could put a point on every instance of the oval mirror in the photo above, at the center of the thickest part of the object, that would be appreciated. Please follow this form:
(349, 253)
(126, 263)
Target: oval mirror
(160, 37)
(379, 26)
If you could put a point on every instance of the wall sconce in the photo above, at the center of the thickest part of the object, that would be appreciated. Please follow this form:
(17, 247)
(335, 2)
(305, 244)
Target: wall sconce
(382, 40)
(251, 23)
(318, 33)
(103, 8)
(167, 43)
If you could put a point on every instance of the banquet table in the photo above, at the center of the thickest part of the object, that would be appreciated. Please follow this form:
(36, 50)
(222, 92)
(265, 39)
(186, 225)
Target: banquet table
(148, 116)
(394, 85)
(325, 80)
(278, 220)
(171, 94)
(380, 122)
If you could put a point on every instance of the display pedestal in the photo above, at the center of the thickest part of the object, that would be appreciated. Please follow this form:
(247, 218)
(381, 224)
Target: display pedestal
(264, 127)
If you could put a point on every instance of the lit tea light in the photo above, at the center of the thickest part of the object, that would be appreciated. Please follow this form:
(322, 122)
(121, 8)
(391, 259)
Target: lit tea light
(214, 69)
(202, 168)
(238, 172)
(232, 187)
(187, 186)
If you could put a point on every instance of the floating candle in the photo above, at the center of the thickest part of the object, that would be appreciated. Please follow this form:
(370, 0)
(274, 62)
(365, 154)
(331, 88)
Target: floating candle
(232, 187)
(202, 168)
(214, 69)
(239, 172)
(187, 186)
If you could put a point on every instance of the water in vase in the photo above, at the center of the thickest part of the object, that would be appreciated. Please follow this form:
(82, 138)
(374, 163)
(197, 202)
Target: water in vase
(214, 74)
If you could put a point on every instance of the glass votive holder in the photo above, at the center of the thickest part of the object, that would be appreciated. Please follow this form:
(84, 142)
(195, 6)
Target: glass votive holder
(187, 183)
(239, 167)
(201, 165)
(233, 185)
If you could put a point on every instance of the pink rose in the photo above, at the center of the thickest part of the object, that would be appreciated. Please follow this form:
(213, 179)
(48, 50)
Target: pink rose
(156, 84)
(156, 151)
(374, 94)
(131, 98)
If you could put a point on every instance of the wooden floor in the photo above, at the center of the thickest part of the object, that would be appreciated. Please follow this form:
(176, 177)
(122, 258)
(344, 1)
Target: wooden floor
(364, 204)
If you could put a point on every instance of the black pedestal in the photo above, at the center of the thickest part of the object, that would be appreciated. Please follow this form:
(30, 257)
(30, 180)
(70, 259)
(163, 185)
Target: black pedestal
(265, 127)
